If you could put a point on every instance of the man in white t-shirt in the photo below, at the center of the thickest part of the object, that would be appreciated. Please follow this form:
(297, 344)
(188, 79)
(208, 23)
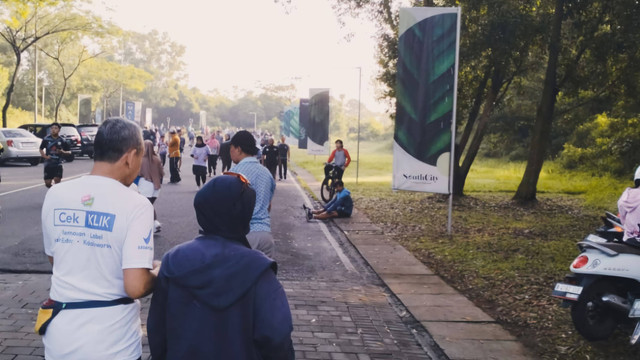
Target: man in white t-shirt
(98, 234)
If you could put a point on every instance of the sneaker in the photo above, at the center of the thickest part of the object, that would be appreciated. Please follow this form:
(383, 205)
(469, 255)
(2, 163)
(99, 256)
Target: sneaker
(158, 226)
(309, 215)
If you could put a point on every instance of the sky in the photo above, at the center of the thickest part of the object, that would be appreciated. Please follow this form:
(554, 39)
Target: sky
(244, 43)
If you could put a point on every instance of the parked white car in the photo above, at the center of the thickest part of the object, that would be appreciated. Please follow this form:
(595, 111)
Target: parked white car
(19, 145)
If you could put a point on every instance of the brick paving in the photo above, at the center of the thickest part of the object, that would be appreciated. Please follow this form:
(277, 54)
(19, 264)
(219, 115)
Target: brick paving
(334, 321)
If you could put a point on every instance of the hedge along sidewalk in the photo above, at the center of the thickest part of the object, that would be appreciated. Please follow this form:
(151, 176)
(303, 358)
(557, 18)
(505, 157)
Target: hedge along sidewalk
(461, 329)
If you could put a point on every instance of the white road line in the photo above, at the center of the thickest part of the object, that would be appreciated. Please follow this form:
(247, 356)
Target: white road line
(35, 186)
(345, 260)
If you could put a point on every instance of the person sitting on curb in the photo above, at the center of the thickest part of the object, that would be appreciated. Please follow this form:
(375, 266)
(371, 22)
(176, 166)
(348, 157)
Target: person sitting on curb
(340, 206)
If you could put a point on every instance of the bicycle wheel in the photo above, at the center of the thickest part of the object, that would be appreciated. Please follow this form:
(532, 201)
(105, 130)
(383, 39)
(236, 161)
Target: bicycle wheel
(326, 190)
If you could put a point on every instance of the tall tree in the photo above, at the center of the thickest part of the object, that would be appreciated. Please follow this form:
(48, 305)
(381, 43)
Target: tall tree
(68, 52)
(497, 37)
(589, 69)
(160, 56)
(544, 116)
(29, 21)
(105, 79)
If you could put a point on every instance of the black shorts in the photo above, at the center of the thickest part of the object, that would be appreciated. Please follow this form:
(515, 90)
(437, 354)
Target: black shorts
(342, 214)
(199, 170)
(52, 171)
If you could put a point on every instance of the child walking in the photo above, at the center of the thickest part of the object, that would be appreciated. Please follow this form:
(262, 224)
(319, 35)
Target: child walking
(200, 153)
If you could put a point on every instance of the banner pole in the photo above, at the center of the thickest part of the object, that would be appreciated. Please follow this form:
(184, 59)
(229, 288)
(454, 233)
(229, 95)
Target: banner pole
(453, 129)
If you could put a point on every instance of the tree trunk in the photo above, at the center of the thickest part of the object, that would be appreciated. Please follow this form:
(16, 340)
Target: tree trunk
(59, 101)
(476, 141)
(12, 84)
(527, 189)
(473, 114)
(458, 177)
(428, 3)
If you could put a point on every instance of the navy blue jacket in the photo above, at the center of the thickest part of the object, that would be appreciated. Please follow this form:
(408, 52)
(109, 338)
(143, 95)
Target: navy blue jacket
(217, 299)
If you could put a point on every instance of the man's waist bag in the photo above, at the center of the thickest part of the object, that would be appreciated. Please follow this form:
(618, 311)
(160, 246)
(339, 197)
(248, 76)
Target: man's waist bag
(50, 308)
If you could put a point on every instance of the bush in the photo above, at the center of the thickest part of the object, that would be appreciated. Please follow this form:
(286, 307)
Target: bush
(17, 117)
(604, 145)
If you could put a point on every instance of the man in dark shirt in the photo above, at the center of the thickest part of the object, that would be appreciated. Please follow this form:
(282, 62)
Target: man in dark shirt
(284, 155)
(270, 157)
(51, 149)
(225, 153)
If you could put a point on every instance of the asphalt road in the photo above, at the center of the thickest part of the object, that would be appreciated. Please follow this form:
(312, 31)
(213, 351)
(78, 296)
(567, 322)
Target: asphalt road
(22, 192)
(303, 249)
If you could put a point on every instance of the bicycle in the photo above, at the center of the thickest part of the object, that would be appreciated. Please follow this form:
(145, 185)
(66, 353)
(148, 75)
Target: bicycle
(327, 189)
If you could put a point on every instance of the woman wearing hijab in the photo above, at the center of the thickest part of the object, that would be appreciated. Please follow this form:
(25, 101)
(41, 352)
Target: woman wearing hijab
(151, 173)
(200, 153)
(214, 296)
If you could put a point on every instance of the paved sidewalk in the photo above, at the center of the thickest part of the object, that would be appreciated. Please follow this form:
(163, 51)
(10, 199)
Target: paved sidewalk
(331, 321)
(462, 330)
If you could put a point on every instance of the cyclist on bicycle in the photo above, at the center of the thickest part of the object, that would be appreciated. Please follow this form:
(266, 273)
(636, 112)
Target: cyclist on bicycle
(341, 159)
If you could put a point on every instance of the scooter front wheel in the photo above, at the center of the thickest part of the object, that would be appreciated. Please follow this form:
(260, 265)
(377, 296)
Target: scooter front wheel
(593, 319)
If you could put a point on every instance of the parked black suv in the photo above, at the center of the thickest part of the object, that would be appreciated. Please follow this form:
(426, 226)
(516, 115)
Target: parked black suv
(87, 134)
(67, 131)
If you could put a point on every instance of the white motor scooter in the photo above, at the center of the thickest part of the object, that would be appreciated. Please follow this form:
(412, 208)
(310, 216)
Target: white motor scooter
(603, 290)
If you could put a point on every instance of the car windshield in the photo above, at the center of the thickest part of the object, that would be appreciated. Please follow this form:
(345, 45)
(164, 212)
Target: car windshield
(16, 133)
(89, 130)
(68, 130)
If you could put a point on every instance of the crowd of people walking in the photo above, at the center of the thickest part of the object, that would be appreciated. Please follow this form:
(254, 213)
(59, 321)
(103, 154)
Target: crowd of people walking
(204, 290)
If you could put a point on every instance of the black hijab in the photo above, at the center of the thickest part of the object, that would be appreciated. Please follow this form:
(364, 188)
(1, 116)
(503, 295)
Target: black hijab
(224, 207)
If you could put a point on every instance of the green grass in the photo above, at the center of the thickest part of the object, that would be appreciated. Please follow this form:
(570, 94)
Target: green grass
(503, 256)
(486, 176)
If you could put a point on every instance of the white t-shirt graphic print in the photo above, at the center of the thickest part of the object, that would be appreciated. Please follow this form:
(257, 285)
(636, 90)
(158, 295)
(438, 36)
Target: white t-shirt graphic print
(94, 227)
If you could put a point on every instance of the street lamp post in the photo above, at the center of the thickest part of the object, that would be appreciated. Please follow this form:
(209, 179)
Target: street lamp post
(358, 148)
(35, 83)
(255, 122)
(44, 85)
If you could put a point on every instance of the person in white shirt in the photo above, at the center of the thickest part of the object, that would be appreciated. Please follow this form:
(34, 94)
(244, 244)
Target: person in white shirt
(98, 235)
(200, 153)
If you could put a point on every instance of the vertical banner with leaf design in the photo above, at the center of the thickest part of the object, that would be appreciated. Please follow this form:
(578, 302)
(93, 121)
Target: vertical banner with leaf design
(426, 99)
(290, 123)
(303, 122)
(318, 127)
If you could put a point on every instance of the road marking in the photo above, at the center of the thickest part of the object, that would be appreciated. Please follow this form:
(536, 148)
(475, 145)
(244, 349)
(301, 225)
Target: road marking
(35, 186)
(345, 260)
